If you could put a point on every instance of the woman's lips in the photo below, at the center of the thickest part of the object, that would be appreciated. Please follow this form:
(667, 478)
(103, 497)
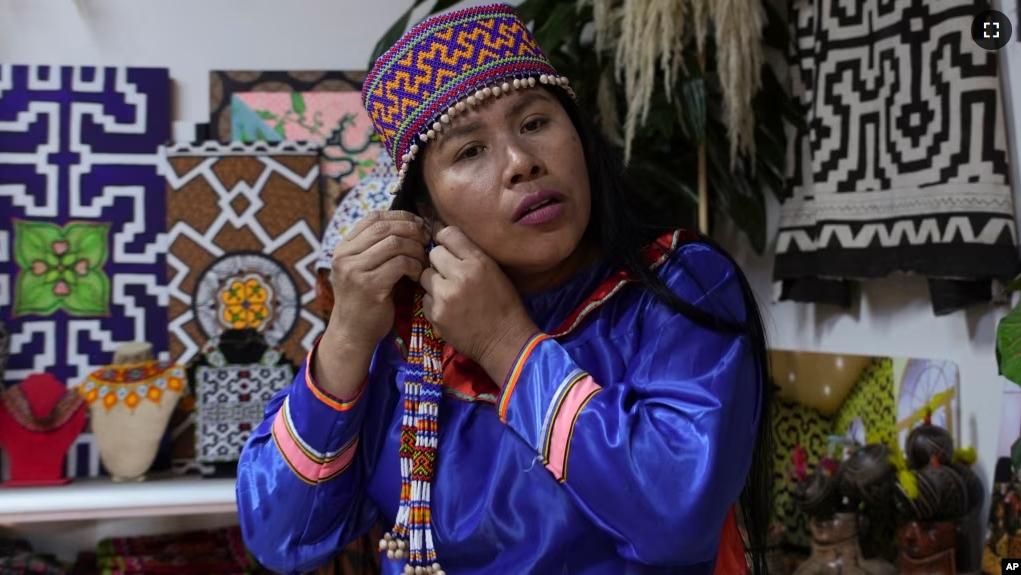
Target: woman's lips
(531, 201)
(544, 215)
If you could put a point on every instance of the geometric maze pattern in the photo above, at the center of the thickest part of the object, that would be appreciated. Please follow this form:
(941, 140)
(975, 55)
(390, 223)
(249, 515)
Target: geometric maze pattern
(336, 121)
(903, 165)
(243, 225)
(82, 265)
(231, 400)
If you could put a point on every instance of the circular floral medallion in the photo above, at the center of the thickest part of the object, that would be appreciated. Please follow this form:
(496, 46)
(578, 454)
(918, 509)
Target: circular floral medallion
(246, 290)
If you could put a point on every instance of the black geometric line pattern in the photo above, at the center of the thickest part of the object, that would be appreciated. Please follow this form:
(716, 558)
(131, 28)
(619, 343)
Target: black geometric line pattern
(902, 166)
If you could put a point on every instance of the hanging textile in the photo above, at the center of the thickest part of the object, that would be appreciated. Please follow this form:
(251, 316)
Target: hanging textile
(903, 164)
(81, 215)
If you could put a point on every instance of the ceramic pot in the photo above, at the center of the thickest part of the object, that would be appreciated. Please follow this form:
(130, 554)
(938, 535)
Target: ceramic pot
(835, 550)
(927, 548)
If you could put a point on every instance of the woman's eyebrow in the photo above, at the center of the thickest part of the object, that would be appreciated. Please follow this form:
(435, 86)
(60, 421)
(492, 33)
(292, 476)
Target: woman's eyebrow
(467, 128)
(459, 129)
(526, 99)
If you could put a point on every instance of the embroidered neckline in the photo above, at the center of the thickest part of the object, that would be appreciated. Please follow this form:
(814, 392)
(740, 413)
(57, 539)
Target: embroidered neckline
(131, 384)
(16, 403)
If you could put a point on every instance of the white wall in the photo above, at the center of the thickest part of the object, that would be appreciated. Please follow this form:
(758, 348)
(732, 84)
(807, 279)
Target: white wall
(191, 37)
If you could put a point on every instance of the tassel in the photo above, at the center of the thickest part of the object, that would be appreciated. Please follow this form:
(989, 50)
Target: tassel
(411, 537)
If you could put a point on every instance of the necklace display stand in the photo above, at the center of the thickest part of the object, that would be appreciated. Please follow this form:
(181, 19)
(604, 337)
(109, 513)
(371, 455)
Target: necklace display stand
(130, 404)
(39, 421)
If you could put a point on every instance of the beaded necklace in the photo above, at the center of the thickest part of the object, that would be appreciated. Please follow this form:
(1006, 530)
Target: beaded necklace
(411, 537)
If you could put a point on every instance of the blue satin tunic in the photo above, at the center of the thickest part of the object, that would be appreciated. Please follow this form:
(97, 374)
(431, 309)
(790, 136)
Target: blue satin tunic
(618, 445)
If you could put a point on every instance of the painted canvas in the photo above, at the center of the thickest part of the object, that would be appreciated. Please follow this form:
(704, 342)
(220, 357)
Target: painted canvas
(828, 402)
(223, 84)
(243, 226)
(82, 265)
(336, 121)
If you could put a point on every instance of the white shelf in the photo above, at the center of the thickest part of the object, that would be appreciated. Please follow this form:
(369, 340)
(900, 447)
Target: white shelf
(87, 499)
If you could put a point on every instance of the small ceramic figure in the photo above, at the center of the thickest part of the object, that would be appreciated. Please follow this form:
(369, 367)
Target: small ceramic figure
(936, 492)
(835, 549)
(927, 548)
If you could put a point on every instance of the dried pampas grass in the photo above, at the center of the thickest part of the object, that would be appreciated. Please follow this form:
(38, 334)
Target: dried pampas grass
(649, 36)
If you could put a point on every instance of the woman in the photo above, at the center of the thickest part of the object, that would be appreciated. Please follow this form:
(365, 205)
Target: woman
(518, 375)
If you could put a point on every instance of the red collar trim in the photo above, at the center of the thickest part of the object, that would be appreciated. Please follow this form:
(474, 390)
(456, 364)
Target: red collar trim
(465, 380)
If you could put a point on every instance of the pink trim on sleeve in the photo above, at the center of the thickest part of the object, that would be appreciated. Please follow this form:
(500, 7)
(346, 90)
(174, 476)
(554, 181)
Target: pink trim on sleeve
(309, 465)
(564, 417)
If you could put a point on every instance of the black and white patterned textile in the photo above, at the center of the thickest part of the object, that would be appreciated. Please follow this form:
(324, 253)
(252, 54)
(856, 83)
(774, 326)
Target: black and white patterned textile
(231, 400)
(903, 165)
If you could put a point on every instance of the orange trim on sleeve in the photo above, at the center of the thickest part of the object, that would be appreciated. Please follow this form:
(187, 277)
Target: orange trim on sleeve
(515, 373)
(338, 404)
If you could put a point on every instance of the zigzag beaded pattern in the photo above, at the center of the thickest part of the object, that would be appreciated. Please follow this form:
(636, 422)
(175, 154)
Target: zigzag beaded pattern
(441, 62)
(423, 389)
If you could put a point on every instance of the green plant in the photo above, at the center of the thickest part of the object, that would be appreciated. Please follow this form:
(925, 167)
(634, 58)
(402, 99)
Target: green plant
(664, 162)
(1008, 339)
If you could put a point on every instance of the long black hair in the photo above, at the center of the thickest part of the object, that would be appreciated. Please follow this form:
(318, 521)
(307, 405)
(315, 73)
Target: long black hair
(621, 225)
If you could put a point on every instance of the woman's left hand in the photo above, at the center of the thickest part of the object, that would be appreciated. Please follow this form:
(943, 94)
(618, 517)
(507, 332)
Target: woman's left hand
(473, 305)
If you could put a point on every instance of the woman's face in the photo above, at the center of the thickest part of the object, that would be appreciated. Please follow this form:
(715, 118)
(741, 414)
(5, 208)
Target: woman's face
(511, 174)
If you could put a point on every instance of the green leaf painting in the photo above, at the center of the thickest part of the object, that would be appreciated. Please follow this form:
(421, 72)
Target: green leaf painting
(61, 268)
(298, 103)
(34, 295)
(91, 296)
(89, 241)
(34, 241)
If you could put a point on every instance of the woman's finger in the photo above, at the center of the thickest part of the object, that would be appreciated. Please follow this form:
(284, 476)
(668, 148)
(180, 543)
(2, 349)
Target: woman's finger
(459, 245)
(429, 280)
(381, 216)
(379, 227)
(443, 261)
(392, 270)
(387, 249)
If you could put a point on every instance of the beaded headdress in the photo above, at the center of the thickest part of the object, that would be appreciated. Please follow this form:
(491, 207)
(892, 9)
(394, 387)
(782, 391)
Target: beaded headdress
(436, 71)
(445, 65)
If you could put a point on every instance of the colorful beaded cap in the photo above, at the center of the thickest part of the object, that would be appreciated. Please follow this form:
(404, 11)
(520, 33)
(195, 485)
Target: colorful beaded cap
(445, 65)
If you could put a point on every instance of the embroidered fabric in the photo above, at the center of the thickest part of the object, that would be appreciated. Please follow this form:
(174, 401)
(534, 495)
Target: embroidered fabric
(234, 380)
(15, 403)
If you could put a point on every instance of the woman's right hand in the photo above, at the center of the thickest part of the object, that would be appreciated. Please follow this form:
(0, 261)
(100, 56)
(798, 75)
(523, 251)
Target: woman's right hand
(382, 248)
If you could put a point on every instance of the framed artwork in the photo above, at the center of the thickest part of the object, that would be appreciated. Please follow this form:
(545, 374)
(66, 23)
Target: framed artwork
(243, 226)
(82, 264)
(336, 121)
(223, 84)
